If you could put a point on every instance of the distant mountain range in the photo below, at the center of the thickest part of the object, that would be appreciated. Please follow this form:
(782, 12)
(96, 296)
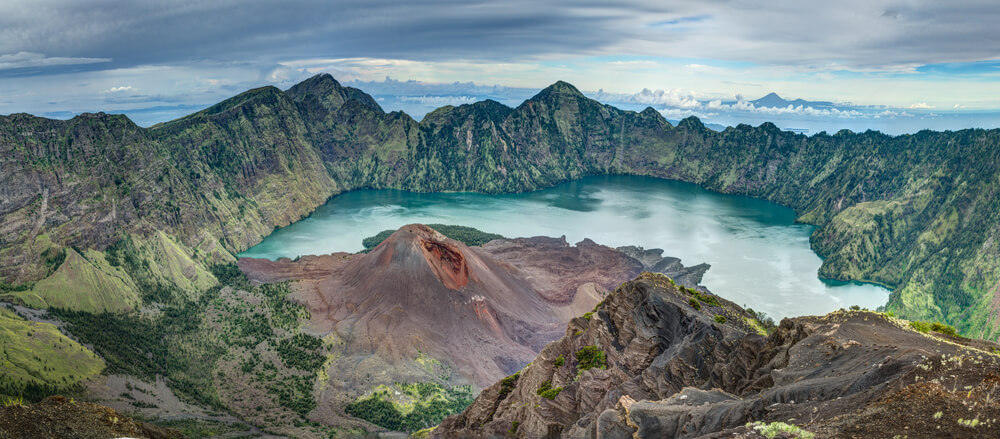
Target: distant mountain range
(773, 100)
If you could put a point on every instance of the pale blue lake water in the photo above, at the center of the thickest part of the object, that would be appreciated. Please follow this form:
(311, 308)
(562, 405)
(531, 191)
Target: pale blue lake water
(759, 256)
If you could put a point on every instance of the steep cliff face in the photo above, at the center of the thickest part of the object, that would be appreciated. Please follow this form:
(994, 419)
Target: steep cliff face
(917, 212)
(667, 369)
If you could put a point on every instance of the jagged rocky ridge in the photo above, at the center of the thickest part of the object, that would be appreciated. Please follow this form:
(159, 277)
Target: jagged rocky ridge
(918, 212)
(671, 370)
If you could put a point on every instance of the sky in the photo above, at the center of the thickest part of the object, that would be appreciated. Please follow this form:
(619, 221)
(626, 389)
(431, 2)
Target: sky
(896, 66)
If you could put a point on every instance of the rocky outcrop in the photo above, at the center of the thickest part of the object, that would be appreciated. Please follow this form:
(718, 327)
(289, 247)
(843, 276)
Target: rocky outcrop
(61, 417)
(671, 370)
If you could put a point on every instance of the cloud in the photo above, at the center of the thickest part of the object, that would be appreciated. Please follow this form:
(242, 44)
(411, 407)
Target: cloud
(67, 55)
(120, 89)
(439, 101)
(678, 113)
(861, 35)
(920, 106)
(669, 98)
(679, 104)
(21, 60)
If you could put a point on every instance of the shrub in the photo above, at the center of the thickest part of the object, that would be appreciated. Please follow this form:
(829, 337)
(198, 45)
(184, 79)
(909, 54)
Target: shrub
(920, 326)
(938, 327)
(560, 360)
(694, 304)
(943, 328)
(507, 384)
(590, 357)
(779, 429)
(551, 393)
(546, 385)
(719, 318)
(588, 315)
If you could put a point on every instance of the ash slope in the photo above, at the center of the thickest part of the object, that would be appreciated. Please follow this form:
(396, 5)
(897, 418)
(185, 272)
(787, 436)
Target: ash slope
(673, 371)
(420, 298)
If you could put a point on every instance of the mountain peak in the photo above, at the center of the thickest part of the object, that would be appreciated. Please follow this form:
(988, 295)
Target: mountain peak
(324, 90)
(445, 256)
(558, 88)
(773, 100)
(321, 81)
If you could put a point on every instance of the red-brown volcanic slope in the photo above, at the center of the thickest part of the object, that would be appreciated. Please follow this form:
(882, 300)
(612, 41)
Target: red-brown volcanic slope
(482, 312)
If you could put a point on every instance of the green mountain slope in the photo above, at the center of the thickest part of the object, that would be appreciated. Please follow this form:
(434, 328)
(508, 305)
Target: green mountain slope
(38, 360)
(916, 212)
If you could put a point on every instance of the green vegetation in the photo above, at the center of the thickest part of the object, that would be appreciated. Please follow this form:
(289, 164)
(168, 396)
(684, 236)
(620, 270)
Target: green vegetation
(588, 315)
(425, 405)
(507, 384)
(545, 390)
(552, 393)
(85, 282)
(467, 235)
(779, 429)
(719, 318)
(160, 267)
(938, 327)
(590, 357)
(37, 360)
(301, 352)
(695, 304)
(559, 361)
(705, 298)
(763, 324)
(546, 385)
(170, 345)
(184, 341)
(513, 427)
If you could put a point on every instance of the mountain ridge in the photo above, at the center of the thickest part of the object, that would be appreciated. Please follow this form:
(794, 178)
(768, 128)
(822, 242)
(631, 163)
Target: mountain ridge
(897, 210)
(651, 364)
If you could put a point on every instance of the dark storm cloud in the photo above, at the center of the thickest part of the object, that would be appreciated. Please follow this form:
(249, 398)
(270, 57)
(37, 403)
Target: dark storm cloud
(136, 33)
(851, 34)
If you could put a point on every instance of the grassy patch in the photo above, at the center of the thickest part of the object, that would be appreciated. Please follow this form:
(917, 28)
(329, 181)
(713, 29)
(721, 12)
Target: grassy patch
(779, 429)
(84, 282)
(37, 360)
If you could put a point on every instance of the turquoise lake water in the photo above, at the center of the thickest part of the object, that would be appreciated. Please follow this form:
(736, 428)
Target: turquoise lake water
(759, 256)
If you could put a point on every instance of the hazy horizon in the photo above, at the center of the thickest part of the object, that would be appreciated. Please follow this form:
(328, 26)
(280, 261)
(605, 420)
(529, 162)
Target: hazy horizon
(896, 67)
